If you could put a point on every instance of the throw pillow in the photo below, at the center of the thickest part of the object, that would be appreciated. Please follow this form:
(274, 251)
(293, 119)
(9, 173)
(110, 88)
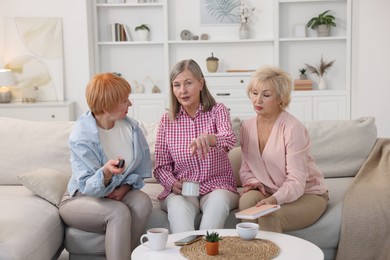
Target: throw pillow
(48, 184)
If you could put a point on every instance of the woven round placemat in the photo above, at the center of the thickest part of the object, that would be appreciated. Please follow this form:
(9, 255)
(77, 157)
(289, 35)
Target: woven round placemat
(233, 248)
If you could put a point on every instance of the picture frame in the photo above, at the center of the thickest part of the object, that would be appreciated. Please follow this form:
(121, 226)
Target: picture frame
(219, 12)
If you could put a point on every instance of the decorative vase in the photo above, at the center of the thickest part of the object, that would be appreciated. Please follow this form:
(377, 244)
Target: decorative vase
(321, 83)
(212, 63)
(212, 248)
(244, 31)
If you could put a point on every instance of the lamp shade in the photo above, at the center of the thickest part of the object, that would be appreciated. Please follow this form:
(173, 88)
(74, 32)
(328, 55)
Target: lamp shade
(6, 78)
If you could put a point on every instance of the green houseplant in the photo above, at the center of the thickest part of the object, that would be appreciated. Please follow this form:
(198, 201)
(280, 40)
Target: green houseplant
(142, 32)
(323, 23)
(303, 73)
(212, 243)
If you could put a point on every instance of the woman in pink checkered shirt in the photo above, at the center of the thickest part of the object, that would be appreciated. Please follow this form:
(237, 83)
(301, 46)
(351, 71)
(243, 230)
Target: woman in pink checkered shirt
(192, 144)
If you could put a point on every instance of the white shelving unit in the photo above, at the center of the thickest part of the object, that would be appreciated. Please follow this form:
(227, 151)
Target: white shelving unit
(333, 103)
(272, 42)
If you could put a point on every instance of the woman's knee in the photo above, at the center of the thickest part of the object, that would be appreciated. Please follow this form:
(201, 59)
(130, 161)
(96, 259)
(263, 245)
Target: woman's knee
(139, 202)
(145, 205)
(249, 199)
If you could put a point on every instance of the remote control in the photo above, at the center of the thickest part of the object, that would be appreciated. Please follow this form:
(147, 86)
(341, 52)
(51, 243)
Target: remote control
(121, 163)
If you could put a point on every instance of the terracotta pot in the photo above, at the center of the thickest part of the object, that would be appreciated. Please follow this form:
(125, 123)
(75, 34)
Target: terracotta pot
(212, 248)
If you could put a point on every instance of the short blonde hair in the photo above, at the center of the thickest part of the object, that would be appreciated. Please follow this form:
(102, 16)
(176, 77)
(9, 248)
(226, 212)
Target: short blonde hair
(105, 91)
(206, 98)
(275, 78)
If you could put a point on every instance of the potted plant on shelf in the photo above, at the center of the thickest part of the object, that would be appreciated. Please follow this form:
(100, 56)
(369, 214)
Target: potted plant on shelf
(142, 32)
(323, 23)
(303, 73)
(212, 243)
(320, 70)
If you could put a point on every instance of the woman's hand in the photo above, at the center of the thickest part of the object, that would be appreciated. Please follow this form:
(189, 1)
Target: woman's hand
(201, 145)
(268, 201)
(119, 192)
(176, 187)
(254, 186)
(110, 168)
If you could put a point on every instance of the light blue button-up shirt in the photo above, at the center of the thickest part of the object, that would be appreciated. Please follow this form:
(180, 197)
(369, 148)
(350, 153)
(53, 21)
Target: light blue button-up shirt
(88, 159)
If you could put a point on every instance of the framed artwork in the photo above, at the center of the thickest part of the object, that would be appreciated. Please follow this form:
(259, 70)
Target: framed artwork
(219, 12)
(33, 48)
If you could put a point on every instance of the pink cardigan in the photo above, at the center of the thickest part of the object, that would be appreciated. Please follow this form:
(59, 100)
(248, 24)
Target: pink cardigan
(286, 168)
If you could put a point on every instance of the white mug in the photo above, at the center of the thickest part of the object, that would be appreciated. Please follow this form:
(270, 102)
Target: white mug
(157, 238)
(190, 188)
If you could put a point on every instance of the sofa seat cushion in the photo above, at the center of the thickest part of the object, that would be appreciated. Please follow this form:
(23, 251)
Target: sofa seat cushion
(325, 233)
(30, 227)
(81, 242)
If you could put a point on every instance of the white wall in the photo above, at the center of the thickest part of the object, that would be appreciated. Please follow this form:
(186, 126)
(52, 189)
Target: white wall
(370, 52)
(75, 34)
(371, 62)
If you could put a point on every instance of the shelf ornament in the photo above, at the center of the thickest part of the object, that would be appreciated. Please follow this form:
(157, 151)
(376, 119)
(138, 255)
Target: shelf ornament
(246, 11)
(323, 23)
(320, 71)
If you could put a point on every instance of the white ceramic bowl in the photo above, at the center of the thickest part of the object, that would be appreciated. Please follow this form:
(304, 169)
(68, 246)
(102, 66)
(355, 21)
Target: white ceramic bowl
(247, 230)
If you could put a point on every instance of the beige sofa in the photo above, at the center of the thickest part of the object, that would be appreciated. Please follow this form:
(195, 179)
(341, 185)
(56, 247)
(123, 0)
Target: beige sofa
(34, 170)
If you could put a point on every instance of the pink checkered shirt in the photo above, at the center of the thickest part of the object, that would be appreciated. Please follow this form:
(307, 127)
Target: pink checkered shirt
(173, 156)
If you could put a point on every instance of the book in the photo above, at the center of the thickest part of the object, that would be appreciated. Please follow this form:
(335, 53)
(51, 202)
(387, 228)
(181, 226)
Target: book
(256, 212)
(127, 34)
(303, 84)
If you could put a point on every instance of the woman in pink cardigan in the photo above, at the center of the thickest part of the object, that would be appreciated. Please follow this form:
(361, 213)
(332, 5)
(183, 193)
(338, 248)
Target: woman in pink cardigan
(277, 167)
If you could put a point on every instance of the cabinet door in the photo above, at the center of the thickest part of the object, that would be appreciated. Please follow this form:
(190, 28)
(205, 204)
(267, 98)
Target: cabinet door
(147, 110)
(38, 112)
(329, 108)
(301, 108)
(231, 91)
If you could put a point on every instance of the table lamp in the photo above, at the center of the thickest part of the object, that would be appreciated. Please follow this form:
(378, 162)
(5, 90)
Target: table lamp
(6, 79)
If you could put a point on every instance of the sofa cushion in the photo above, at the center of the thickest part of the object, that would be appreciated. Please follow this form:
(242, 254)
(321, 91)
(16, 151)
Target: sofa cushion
(153, 190)
(49, 184)
(340, 147)
(30, 227)
(32, 145)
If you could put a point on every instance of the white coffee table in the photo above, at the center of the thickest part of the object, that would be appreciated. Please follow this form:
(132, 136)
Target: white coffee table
(290, 247)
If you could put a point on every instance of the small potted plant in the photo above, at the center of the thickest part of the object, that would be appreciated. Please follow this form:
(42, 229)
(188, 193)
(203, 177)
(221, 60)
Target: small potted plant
(323, 23)
(142, 32)
(320, 70)
(303, 73)
(212, 243)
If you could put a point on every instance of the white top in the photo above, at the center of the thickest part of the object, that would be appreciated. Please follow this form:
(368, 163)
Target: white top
(290, 247)
(115, 142)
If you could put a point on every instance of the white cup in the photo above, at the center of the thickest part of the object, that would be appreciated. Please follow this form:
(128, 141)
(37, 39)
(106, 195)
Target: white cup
(247, 230)
(190, 188)
(157, 238)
